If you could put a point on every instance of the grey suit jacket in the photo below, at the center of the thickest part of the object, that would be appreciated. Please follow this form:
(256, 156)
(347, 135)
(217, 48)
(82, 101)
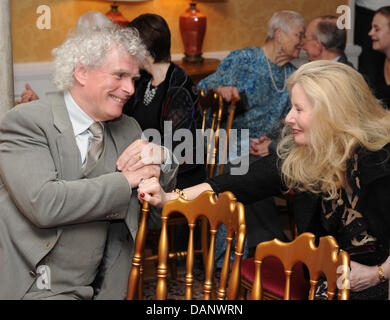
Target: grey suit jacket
(42, 188)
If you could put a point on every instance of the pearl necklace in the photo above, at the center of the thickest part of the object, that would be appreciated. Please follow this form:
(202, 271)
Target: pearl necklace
(149, 93)
(272, 77)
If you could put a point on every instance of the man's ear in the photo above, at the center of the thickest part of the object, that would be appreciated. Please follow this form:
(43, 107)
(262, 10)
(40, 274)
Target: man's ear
(81, 74)
(320, 46)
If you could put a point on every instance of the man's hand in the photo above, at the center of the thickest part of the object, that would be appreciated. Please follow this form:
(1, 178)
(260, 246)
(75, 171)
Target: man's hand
(259, 146)
(229, 93)
(134, 177)
(139, 154)
(28, 95)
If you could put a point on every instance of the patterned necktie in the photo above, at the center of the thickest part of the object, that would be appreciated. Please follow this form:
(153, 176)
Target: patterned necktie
(95, 147)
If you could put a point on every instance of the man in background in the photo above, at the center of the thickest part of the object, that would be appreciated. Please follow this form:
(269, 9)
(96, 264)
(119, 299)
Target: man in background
(323, 41)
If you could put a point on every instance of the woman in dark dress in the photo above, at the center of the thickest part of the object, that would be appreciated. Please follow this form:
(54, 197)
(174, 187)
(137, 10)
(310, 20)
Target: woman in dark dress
(378, 75)
(165, 97)
(335, 156)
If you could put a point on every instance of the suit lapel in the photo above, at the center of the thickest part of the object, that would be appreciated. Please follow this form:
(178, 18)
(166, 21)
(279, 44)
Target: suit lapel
(69, 158)
(120, 136)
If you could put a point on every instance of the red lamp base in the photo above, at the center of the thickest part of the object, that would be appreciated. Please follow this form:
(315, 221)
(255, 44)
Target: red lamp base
(193, 58)
(115, 16)
(192, 28)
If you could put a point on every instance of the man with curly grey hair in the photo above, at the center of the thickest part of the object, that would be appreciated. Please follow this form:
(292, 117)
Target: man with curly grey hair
(69, 164)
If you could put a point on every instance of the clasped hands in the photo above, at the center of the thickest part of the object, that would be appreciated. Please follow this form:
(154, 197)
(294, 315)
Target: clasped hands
(260, 146)
(141, 160)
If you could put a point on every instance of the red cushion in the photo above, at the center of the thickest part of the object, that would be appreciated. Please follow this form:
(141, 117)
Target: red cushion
(274, 277)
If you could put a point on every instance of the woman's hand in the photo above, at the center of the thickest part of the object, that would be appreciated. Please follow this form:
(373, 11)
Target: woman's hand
(363, 277)
(260, 146)
(29, 94)
(151, 191)
(229, 93)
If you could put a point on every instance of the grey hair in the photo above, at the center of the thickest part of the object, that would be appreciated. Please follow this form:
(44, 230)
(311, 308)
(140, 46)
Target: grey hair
(283, 20)
(92, 20)
(89, 48)
(329, 34)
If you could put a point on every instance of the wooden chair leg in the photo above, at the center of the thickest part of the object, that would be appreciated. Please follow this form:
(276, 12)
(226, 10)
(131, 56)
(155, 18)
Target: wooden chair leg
(242, 293)
(204, 232)
(141, 283)
(172, 248)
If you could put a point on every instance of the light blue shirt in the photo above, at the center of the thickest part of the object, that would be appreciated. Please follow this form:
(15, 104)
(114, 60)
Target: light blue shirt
(336, 59)
(80, 122)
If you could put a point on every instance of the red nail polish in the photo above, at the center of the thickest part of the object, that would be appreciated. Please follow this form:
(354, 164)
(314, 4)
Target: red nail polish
(142, 195)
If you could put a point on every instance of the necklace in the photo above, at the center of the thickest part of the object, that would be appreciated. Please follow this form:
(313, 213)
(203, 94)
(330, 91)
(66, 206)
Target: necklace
(149, 93)
(272, 77)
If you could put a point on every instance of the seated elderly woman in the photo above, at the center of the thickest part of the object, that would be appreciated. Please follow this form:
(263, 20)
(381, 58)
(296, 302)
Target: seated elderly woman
(261, 73)
(335, 156)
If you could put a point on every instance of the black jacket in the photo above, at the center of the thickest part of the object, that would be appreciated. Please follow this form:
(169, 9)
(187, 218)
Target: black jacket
(264, 180)
(180, 105)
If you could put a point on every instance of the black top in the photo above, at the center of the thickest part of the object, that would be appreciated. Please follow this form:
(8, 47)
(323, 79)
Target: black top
(375, 78)
(176, 100)
(263, 180)
(148, 115)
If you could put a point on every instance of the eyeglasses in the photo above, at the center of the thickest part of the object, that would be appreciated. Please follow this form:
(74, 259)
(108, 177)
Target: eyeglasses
(300, 35)
(308, 39)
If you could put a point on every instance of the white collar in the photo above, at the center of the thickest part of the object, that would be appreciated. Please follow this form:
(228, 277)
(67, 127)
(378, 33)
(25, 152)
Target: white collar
(336, 59)
(80, 120)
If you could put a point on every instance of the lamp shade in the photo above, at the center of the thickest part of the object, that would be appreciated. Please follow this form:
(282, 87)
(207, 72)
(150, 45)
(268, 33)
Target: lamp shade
(125, 0)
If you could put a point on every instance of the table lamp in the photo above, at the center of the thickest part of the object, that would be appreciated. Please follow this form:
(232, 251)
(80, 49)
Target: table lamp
(192, 25)
(115, 15)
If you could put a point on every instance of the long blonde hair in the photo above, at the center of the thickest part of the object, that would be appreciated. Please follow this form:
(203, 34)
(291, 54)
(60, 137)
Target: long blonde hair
(345, 115)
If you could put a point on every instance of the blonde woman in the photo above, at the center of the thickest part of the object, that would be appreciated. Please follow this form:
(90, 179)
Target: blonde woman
(335, 156)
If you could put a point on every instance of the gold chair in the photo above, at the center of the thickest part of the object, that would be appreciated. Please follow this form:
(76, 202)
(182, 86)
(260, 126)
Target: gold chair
(212, 103)
(136, 274)
(224, 209)
(276, 271)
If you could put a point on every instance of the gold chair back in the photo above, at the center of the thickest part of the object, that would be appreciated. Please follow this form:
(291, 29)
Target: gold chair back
(212, 104)
(325, 259)
(224, 209)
